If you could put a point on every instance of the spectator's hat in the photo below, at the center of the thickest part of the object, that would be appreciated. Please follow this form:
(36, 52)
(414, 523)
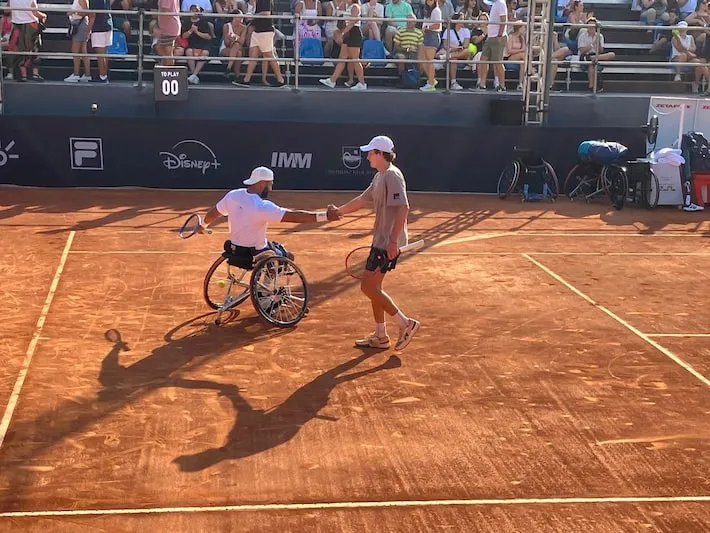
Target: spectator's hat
(683, 24)
(260, 174)
(381, 143)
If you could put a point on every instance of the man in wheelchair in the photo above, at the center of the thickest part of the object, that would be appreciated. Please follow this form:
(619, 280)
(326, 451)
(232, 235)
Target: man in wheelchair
(249, 213)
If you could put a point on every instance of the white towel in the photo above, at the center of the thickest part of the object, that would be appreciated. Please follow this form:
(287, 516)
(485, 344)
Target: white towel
(667, 156)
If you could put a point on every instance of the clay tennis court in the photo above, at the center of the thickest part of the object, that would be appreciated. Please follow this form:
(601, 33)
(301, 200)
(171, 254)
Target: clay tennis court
(559, 381)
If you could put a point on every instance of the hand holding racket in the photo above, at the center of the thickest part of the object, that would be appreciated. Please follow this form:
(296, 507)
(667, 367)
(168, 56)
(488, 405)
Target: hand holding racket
(356, 260)
(193, 225)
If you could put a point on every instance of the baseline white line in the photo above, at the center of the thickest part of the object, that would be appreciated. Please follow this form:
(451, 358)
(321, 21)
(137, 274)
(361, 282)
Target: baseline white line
(359, 505)
(621, 321)
(307, 252)
(678, 334)
(15, 395)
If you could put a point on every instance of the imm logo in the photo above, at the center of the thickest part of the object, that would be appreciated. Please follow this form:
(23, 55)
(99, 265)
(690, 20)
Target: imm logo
(291, 160)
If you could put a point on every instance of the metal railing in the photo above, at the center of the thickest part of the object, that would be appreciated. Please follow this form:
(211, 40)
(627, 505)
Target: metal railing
(297, 62)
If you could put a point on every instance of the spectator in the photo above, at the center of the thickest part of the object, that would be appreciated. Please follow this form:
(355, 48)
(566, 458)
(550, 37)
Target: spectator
(652, 10)
(336, 8)
(575, 15)
(515, 50)
(121, 21)
(686, 7)
(682, 48)
(407, 41)
(372, 9)
(5, 29)
(204, 5)
(432, 41)
(352, 41)
(447, 10)
(198, 32)
(512, 10)
(101, 30)
(494, 46)
(456, 41)
(79, 32)
(167, 30)
(309, 29)
(224, 7)
(663, 37)
(590, 44)
(261, 44)
(398, 9)
(26, 36)
(308, 8)
(234, 34)
(701, 18)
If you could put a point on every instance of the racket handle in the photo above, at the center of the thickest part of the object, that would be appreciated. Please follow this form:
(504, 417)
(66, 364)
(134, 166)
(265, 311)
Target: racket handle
(208, 231)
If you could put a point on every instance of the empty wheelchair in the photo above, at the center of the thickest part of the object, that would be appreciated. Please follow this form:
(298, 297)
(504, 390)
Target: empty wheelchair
(276, 286)
(530, 176)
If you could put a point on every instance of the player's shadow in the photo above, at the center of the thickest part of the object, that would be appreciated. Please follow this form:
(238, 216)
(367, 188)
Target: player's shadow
(257, 430)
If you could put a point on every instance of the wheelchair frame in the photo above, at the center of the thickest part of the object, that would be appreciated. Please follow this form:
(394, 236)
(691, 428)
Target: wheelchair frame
(277, 303)
(526, 162)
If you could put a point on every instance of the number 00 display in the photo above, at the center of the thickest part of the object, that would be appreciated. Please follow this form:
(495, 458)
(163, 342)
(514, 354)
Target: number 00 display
(170, 87)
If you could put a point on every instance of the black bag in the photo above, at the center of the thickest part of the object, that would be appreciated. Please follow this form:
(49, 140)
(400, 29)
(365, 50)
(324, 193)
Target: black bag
(695, 149)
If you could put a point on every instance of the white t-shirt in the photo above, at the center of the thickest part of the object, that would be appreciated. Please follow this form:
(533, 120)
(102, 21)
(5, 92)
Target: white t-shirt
(379, 11)
(434, 17)
(450, 36)
(22, 17)
(248, 215)
(499, 9)
(584, 40)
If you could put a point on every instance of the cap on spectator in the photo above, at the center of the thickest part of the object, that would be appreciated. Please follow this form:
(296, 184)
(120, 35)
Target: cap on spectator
(260, 174)
(682, 23)
(381, 143)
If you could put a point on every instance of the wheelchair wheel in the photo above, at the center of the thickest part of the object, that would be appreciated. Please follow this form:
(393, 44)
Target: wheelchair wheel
(552, 182)
(582, 182)
(651, 191)
(279, 291)
(509, 178)
(224, 285)
(616, 184)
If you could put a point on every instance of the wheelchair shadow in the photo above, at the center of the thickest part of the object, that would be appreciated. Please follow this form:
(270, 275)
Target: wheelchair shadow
(256, 430)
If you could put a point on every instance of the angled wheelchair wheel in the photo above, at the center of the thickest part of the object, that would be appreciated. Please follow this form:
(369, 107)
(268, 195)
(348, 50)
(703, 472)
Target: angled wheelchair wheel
(616, 184)
(225, 286)
(552, 182)
(652, 192)
(582, 182)
(279, 291)
(509, 178)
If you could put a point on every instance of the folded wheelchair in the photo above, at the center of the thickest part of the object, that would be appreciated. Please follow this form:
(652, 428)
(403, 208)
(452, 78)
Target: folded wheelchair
(529, 176)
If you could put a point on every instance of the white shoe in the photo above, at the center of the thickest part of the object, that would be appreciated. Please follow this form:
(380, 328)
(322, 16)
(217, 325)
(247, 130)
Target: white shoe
(677, 77)
(193, 79)
(85, 79)
(455, 86)
(10, 76)
(427, 88)
(407, 334)
(359, 87)
(74, 78)
(693, 207)
(373, 341)
(328, 82)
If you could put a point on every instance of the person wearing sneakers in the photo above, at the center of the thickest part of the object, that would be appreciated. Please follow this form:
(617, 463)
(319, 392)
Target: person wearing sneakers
(249, 213)
(79, 32)
(388, 195)
(101, 32)
(432, 41)
(350, 49)
(494, 47)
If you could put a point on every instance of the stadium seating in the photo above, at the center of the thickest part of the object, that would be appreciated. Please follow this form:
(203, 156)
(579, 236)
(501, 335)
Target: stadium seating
(628, 46)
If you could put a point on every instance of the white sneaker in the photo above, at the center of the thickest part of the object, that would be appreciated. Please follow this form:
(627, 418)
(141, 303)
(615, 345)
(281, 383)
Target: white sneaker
(328, 82)
(74, 78)
(427, 88)
(359, 87)
(693, 207)
(193, 79)
(455, 86)
(10, 76)
(677, 77)
(85, 79)
(373, 341)
(407, 334)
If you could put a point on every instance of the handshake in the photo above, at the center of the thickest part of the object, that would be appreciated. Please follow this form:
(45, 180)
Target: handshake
(333, 213)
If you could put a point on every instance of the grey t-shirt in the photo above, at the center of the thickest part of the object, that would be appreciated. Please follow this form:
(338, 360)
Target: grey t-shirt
(387, 191)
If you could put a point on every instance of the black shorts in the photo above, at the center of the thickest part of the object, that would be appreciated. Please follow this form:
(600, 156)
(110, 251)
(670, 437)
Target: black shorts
(354, 37)
(378, 260)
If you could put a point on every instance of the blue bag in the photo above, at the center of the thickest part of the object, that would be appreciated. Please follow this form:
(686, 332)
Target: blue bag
(601, 152)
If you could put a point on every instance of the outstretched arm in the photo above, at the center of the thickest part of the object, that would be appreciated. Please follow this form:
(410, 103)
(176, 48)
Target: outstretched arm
(211, 216)
(304, 217)
(356, 203)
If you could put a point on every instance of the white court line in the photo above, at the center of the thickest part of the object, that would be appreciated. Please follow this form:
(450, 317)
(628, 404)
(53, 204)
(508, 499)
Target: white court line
(307, 252)
(359, 505)
(621, 321)
(12, 402)
(678, 334)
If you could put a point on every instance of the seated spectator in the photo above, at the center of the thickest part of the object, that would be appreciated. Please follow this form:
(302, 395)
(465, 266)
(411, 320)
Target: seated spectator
(686, 8)
(701, 18)
(682, 48)
(512, 10)
(199, 34)
(371, 29)
(224, 7)
(5, 29)
(515, 50)
(576, 15)
(120, 21)
(662, 43)
(406, 43)
(308, 8)
(446, 8)
(456, 40)
(398, 9)
(590, 45)
(234, 34)
(204, 5)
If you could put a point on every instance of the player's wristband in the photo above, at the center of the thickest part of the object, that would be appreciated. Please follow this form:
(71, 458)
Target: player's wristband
(321, 216)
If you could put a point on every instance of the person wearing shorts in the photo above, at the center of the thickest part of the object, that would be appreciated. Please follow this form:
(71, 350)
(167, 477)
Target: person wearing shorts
(79, 32)
(494, 47)
(168, 30)
(388, 195)
(432, 42)
(350, 49)
(261, 44)
(101, 31)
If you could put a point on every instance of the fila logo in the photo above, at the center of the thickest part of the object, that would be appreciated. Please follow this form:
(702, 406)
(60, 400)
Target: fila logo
(395, 196)
(291, 160)
(86, 153)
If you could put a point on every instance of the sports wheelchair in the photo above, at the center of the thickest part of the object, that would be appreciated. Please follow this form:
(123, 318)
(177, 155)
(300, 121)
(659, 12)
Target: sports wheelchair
(276, 286)
(616, 176)
(529, 175)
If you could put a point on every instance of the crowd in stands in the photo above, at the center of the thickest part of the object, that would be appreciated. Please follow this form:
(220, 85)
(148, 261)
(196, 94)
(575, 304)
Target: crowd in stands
(480, 31)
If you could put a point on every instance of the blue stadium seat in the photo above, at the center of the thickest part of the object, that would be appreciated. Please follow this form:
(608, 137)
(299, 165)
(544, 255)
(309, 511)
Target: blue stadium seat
(312, 49)
(119, 46)
(374, 52)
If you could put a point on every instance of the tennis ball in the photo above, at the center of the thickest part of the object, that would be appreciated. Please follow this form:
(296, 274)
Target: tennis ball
(473, 49)
(94, 108)
(221, 283)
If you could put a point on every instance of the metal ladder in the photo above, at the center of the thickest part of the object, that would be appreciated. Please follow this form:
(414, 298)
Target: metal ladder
(538, 37)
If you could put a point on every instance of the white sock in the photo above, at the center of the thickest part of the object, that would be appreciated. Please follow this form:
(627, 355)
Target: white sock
(403, 320)
(496, 83)
(381, 329)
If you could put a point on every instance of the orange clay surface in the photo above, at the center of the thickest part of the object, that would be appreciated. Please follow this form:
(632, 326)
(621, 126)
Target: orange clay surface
(559, 381)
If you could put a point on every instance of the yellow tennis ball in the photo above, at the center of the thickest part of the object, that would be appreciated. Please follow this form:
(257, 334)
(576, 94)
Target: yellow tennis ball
(221, 284)
(473, 49)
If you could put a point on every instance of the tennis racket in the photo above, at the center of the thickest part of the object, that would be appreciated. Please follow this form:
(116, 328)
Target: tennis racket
(191, 226)
(356, 260)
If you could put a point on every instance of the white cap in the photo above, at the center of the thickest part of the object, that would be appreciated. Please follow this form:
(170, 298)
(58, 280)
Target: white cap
(682, 23)
(381, 143)
(260, 174)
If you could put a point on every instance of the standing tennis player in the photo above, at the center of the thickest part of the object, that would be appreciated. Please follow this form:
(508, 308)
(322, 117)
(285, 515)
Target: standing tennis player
(388, 195)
